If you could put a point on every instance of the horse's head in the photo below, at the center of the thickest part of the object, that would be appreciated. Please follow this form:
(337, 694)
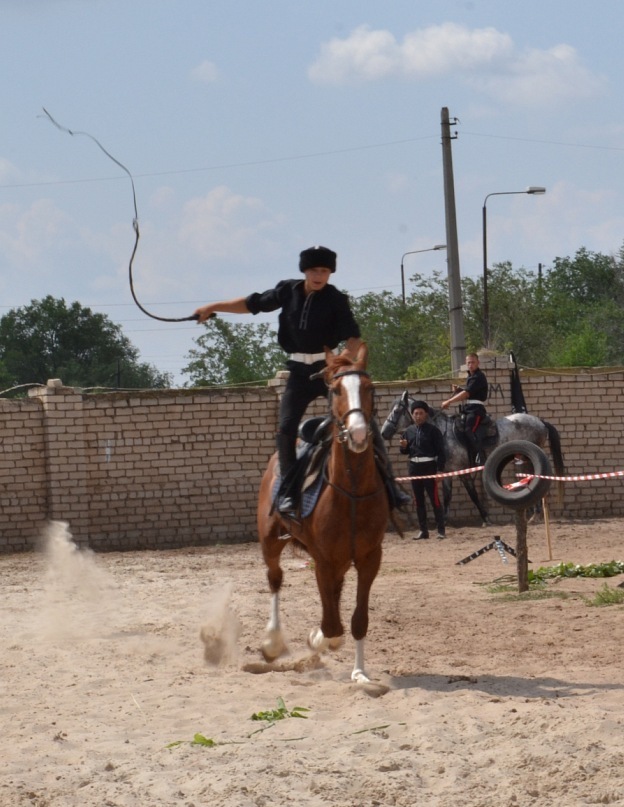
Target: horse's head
(351, 396)
(399, 417)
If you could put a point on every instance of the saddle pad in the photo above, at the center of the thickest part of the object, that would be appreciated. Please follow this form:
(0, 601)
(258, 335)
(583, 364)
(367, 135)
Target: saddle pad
(309, 497)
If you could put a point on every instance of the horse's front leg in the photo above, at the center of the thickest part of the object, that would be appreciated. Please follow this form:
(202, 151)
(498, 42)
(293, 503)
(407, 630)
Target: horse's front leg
(330, 635)
(367, 569)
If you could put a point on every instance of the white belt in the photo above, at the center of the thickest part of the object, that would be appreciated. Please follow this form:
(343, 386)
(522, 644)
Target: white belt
(422, 459)
(307, 358)
(474, 401)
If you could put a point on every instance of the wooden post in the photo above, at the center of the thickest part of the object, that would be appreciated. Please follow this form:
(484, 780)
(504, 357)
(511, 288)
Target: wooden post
(520, 517)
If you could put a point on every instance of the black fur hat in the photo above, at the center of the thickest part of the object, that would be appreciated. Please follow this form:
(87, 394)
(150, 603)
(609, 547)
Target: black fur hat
(317, 256)
(419, 405)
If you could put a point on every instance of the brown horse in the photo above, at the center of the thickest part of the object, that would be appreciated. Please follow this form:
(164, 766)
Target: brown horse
(348, 523)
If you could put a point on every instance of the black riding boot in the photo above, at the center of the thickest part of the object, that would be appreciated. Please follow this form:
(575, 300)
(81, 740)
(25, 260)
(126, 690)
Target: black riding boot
(438, 513)
(475, 447)
(397, 498)
(287, 454)
(421, 515)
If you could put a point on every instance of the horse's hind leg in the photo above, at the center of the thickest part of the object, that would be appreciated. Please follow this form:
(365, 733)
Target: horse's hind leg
(469, 484)
(367, 572)
(274, 644)
(447, 490)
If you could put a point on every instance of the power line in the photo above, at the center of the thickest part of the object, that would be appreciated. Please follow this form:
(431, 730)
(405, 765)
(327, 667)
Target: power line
(224, 166)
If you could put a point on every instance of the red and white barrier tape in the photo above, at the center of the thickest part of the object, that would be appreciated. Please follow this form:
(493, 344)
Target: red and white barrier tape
(578, 478)
(441, 476)
(525, 477)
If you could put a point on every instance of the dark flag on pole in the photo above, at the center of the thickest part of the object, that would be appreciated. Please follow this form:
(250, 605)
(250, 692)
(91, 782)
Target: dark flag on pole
(518, 403)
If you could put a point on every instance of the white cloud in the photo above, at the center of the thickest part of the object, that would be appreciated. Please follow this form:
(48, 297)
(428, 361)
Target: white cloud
(206, 72)
(539, 77)
(484, 58)
(8, 172)
(27, 235)
(223, 224)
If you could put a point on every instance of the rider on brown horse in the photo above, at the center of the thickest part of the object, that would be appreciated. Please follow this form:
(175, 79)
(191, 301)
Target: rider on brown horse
(314, 315)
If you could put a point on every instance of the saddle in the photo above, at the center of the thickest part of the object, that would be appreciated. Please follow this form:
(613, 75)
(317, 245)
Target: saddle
(303, 482)
(487, 431)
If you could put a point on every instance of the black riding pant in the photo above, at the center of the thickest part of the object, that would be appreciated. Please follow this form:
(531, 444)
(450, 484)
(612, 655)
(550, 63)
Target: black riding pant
(431, 488)
(299, 393)
(475, 414)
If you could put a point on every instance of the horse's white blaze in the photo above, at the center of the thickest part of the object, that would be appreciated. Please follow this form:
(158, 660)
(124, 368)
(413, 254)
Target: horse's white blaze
(356, 422)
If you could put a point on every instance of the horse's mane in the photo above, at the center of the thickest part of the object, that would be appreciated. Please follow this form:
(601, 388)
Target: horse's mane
(434, 413)
(337, 362)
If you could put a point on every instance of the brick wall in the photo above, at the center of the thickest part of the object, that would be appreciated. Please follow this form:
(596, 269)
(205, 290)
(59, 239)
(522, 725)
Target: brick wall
(165, 469)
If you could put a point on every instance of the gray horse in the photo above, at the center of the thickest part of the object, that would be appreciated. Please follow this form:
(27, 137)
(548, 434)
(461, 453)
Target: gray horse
(520, 426)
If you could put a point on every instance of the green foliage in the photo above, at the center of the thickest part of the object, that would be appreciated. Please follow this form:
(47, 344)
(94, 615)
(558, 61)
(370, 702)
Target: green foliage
(607, 596)
(610, 569)
(569, 315)
(281, 713)
(198, 739)
(229, 353)
(49, 339)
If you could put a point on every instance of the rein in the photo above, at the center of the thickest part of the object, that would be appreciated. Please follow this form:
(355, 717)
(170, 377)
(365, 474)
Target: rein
(341, 438)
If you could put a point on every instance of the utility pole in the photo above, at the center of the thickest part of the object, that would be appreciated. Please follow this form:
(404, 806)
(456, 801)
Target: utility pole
(456, 314)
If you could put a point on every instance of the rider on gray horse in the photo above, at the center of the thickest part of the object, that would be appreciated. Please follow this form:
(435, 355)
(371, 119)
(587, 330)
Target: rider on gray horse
(474, 394)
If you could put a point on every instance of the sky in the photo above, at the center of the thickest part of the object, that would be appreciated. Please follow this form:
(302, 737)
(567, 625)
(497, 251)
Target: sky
(256, 128)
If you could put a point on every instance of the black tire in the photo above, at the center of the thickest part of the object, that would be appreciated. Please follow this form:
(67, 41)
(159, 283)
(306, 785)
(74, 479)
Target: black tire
(535, 462)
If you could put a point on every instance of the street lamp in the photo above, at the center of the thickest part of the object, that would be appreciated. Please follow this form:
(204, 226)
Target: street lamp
(532, 190)
(414, 252)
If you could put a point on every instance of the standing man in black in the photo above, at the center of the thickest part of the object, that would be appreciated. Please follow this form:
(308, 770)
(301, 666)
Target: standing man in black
(314, 315)
(473, 395)
(424, 444)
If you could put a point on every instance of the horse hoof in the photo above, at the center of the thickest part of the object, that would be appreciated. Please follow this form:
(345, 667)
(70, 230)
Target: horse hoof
(360, 677)
(317, 641)
(273, 646)
(336, 642)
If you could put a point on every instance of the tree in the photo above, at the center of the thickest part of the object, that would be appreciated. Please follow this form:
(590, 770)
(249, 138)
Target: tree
(520, 318)
(571, 315)
(234, 354)
(48, 339)
(406, 340)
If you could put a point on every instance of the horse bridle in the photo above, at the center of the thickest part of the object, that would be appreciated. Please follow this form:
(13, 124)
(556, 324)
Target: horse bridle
(341, 423)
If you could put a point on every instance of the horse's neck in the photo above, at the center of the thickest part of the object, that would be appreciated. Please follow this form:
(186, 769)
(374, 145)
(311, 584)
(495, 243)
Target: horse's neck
(349, 470)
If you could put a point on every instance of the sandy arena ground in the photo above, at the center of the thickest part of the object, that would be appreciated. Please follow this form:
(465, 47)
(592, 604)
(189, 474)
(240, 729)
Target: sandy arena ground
(480, 699)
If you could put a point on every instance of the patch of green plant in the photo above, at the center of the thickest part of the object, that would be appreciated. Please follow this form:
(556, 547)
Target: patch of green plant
(610, 569)
(281, 713)
(198, 739)
(606, 596)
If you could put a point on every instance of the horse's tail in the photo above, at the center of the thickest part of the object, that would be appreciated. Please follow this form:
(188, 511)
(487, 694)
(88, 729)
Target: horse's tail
(555, 448)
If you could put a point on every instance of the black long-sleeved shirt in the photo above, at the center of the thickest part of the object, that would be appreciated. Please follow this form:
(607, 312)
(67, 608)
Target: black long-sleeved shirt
(477, 385)
(425, 441)
(307, 323)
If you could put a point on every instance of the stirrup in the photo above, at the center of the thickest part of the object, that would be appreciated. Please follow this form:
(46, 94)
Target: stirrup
(286, 507)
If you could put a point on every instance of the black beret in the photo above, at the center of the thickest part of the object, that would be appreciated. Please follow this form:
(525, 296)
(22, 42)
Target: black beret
(317, 256)
(419, 405)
